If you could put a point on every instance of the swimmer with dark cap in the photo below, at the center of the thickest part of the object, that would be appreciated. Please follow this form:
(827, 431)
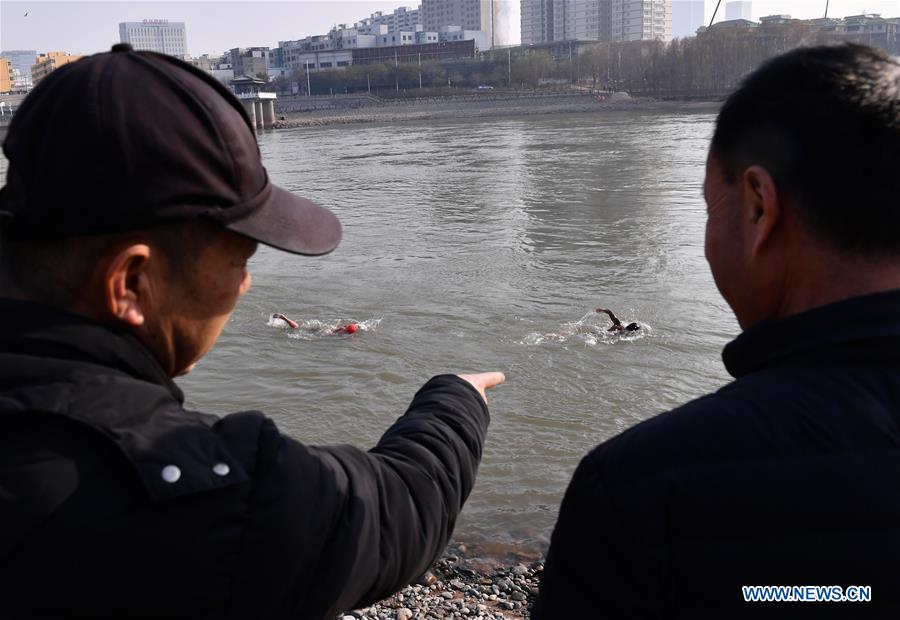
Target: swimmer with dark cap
(617, 324)
(351, 328)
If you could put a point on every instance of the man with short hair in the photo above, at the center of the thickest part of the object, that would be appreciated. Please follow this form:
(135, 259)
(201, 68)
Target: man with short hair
(135, 195)
(787, 476)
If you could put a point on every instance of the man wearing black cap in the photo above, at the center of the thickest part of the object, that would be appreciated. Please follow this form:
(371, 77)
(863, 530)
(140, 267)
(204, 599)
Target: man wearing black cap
(117, 274)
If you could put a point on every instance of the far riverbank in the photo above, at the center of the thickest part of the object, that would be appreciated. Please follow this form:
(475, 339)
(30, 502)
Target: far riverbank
(361, 110)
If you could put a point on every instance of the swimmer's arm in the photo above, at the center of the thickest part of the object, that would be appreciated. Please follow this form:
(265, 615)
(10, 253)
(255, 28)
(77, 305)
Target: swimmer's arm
(612, 316)
(292, 323)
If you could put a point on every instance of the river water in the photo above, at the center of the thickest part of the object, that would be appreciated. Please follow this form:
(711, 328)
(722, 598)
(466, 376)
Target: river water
(484, 245)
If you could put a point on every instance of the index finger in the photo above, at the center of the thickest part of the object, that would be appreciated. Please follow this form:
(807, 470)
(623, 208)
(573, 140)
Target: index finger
(484, 381)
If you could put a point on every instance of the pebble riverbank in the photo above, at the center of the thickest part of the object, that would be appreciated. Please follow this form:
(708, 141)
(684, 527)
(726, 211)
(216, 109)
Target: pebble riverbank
(457, 589)
(440, 110)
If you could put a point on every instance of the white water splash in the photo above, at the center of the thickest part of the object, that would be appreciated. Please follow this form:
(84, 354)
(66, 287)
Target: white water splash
(312, 329)
(592, 329)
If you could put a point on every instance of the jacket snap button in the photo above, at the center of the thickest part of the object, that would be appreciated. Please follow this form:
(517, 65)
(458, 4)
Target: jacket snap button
(221, 469)
(171, 474)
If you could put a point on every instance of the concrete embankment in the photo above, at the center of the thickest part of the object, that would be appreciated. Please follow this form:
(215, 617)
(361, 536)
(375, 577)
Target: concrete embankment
(295, 112)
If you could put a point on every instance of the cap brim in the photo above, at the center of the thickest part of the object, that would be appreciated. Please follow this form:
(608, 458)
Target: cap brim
(291, 223)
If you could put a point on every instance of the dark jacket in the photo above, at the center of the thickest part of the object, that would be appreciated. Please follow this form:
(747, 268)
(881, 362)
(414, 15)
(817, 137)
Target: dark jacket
(790, 475)
(116, 502)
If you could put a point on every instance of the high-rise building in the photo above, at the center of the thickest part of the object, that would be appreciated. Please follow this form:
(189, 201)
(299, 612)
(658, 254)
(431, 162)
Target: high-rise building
(536, 22)
(155, 35)
(739, 9)
(21, 60)
(641, 20)
(489, 16)
(546, 21)
(688, 16)
(47, 63)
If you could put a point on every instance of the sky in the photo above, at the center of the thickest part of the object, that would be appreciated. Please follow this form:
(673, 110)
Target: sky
(213, 26)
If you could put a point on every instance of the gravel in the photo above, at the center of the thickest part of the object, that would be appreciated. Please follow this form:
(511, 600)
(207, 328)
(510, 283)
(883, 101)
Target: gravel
(461, 589)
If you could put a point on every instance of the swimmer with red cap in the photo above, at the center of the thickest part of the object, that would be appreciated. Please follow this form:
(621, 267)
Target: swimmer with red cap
(350, 328)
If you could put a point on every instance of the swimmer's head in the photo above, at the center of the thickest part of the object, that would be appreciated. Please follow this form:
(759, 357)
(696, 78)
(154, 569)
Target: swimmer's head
(632, 327)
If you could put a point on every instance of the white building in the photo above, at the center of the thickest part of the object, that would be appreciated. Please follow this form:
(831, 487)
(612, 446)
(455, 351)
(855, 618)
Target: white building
(739, 9)
(547, 21)
(689, 15)
(641, 20)
(488, 16)
(155, 35)
(401, 19)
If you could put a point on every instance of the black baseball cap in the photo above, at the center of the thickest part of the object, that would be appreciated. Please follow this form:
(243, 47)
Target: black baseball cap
(126, 140)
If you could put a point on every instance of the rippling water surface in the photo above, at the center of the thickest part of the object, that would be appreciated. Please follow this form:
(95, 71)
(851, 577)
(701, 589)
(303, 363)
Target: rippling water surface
(479, 246)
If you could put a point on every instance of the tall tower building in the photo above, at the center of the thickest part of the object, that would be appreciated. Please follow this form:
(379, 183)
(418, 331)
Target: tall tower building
(155, 35)
(689, 15)
(740, 9)
(537, 21)
(545, 21)
(488, 16)
(641, 20)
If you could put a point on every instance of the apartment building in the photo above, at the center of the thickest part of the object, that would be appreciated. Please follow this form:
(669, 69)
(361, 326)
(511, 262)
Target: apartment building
(47, 63)
(547, 21)
(21, 60)
(6, 75)
(401, 19)
(156, 35)
(641, 20)
(488, 16)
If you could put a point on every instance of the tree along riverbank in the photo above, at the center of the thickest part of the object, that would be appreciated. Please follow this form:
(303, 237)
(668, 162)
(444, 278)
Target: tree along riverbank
(342, 112)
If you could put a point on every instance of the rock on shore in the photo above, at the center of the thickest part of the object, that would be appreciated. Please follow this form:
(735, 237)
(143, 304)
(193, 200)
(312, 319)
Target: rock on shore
(454, 590)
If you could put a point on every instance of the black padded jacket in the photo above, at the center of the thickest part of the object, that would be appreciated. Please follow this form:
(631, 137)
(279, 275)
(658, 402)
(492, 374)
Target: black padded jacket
(116, 502)
(788, 476)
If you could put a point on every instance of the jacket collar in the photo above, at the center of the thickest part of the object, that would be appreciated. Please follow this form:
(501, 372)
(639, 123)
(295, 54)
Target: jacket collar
(861, 331)
(36, 329)
(154, 432)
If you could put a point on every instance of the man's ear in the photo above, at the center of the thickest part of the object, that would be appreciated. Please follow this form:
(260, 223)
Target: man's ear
(762, 205)
(126, 284)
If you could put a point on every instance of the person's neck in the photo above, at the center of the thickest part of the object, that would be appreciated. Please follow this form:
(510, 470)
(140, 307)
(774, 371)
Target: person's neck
(827, 279)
